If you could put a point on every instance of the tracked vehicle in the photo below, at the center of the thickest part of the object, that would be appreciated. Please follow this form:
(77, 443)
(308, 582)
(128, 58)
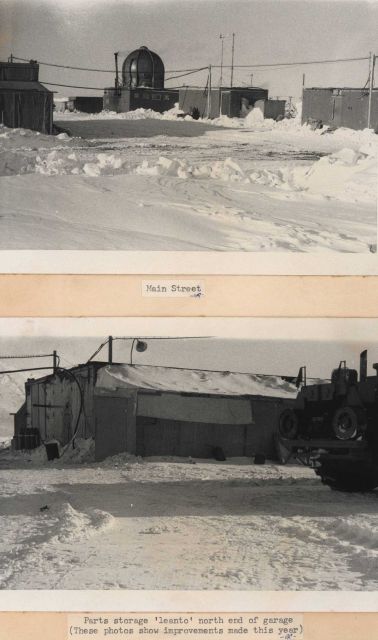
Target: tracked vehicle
(333, 427)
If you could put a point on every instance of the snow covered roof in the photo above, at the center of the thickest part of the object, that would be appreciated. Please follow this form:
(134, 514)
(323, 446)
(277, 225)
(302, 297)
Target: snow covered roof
(192, 381)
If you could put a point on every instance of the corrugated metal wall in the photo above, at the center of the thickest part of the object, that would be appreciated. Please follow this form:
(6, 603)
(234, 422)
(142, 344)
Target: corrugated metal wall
(340, 107)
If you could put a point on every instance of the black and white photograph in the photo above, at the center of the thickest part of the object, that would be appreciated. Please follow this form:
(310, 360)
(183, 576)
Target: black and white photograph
(204, 454)
(188, 126)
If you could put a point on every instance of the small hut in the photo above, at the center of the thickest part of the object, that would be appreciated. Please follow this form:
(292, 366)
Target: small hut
(24, 101)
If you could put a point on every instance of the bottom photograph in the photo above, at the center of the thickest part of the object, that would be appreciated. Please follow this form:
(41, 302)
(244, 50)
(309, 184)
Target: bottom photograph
(233, 454)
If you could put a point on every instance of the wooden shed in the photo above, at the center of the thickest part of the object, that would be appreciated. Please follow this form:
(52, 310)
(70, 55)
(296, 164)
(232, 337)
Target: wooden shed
(154, 411)
(24, 101)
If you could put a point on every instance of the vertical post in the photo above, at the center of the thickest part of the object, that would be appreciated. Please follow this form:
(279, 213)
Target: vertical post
(221, 76)
(55, 361)
(221, 65)
(110, 350)
(116, 70)
(303, 88)
(371, 87)
(232, 59)
(251, 79)
(131, 350)
(209, 93)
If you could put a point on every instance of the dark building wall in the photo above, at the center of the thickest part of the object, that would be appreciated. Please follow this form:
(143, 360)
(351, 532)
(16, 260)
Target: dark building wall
(116, 100)
(115, 422)
(234, 102)
(25, 72)
(153, 99)
(24, 102)
(27, 109)
(274, 109)
(157, 436)
(340, 107)
(190, 99)
(167, 436)
(122, 100)
(88, 104)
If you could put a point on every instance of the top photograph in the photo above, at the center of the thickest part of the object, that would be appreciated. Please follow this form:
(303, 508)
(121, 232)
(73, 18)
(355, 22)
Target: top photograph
(189, 126)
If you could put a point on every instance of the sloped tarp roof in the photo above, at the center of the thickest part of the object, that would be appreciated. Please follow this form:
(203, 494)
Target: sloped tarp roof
(21, 85)
(192, 381)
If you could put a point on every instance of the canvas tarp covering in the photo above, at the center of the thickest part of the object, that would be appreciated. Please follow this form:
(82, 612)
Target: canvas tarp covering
(215, 410)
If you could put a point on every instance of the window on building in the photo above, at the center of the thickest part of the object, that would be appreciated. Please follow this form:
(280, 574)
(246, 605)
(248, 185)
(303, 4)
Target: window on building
(156, 96)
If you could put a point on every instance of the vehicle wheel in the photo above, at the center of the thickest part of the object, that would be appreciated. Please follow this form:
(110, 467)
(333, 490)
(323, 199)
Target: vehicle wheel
(345, 423)
(288, 424)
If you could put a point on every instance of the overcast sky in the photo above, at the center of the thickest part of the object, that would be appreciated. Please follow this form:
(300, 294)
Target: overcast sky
(269, 346)
(186, 35)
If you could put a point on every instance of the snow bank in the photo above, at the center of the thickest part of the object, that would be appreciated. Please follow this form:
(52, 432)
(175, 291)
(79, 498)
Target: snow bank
(227, 170)
(19, 149)
(349, 173)
(363, 533)
(73, 526)
(57, 162)
(82, 453)
(346, 174)
(193, 381)
(136, 114)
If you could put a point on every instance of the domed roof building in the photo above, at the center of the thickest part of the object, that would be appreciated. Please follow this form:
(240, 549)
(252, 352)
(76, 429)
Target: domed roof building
(141, 84)
(143, 68)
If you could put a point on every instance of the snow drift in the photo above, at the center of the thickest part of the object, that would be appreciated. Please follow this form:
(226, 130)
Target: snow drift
(193, 381)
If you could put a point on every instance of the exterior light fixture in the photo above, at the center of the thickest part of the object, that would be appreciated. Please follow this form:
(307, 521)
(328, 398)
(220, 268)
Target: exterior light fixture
(139, 345)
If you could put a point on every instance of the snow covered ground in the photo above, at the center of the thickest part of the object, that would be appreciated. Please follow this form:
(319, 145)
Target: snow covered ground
(179, 524)
(146, 181)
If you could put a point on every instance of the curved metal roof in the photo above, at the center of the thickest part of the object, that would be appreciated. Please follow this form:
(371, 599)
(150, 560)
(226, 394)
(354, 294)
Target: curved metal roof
(143, 68)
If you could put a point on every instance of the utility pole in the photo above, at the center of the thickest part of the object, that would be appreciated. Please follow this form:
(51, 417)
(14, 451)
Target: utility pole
(110, 350)
(116, 70)
(222, 37)
(55, 361)
(371, 87)
(209, 93)
(232, 59)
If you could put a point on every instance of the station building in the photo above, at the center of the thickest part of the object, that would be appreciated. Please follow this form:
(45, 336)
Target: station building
(141, 84)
